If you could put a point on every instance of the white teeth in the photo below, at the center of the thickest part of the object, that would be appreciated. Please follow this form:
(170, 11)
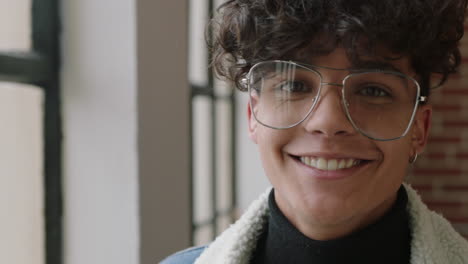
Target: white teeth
(330, 164)
(342, 164)
(313, 162)
(322, 164)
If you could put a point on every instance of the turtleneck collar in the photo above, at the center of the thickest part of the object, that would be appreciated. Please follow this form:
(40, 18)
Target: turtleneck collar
(385, 241)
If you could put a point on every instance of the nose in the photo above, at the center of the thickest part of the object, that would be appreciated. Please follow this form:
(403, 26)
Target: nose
(329, 117)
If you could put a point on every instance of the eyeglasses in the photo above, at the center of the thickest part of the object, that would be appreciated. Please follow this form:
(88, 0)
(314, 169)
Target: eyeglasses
(379, 104)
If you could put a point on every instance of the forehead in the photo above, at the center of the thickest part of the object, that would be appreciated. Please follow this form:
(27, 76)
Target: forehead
(338, 59)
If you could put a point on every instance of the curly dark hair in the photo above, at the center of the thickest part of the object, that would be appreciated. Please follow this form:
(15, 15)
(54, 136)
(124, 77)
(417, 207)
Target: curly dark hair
(427, 31)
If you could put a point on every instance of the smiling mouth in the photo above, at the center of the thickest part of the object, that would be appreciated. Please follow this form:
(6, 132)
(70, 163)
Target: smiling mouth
(330, 164)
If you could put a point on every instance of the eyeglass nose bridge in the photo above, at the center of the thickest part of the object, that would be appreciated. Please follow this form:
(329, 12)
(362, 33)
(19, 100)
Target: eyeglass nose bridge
(345, 103)
(337, 85)
(332, 84)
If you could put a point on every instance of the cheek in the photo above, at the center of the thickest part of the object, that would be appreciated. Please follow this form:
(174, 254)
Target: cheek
(272, 140)
(271, 144)
(395, 157)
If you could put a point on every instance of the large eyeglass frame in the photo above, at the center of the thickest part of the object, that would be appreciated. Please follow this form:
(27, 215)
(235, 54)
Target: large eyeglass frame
(353, 72)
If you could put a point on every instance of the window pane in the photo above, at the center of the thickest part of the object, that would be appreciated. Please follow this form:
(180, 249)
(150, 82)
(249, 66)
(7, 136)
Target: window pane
(21, 175)
(202, 160)
(198, 60)
(15, 25)
(224, 155)
(203, 235)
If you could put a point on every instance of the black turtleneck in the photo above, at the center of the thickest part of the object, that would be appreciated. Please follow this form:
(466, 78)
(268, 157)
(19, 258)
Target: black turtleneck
(385, 241)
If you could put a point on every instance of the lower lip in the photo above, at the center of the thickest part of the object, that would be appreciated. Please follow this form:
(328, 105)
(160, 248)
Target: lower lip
(331, 174)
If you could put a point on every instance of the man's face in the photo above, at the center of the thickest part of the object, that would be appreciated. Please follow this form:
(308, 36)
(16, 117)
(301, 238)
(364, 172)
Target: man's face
(320, 199)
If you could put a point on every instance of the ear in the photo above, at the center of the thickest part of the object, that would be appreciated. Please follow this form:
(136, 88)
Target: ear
(422, 125)
(252, 123)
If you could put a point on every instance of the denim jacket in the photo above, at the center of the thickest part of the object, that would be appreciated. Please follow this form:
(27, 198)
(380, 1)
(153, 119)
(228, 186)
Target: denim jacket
(187, 256)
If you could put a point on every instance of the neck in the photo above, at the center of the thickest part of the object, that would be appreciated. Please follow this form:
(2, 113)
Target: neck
(326, 229)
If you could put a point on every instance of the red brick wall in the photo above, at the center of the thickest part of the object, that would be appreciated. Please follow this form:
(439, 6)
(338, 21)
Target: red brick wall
(441, 172)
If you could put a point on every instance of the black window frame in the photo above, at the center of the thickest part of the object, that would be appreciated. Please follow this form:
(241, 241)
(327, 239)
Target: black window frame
(40, 67)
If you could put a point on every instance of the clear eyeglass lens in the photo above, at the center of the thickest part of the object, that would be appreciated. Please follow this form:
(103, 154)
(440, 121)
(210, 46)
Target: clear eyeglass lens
(282, 93)
(379, 104)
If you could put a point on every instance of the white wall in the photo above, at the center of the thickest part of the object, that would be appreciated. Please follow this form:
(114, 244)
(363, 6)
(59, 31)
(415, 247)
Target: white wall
(21, 150)
(163, 128)
(15, 25)
(21, 175)
(100, 138)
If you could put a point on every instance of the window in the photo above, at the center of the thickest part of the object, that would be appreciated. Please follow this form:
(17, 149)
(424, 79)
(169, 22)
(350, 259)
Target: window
(30, 115)
(213, 135)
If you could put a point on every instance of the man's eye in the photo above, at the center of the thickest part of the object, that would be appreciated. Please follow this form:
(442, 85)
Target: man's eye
(374, 91)
(294, 87)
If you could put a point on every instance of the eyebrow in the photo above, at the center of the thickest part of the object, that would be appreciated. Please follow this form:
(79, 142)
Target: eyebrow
(374, 65)
(363, 65)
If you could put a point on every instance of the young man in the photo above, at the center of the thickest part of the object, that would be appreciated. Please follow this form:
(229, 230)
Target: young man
(339, 110)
